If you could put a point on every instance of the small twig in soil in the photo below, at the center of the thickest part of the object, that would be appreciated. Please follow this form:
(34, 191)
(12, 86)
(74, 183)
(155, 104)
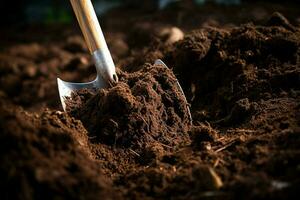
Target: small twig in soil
(92, 137)
(135, 153)
(221, 138)
(227, 145)
(218, 161)
(147, 125)
(240, 130)
(208, 124)
(166, 146)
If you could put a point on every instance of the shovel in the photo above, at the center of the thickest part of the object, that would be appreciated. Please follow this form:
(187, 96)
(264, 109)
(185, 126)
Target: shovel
(105, 67)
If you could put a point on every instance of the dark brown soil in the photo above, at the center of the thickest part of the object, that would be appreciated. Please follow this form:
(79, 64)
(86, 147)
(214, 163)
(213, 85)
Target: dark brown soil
(145, 112)
(135, 141)
(47, 157)
(228, 72)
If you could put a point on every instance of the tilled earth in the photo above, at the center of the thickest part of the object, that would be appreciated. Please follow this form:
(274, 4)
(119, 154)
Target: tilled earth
(136, 140)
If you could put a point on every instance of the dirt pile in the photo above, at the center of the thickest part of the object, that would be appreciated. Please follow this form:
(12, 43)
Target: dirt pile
(145, 112)
(47, 157)
(244, 82)
(243, 86)
(225, 71)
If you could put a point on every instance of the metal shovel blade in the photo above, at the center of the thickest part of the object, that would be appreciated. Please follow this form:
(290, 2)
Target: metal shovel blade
(65, 89)
(160, 62)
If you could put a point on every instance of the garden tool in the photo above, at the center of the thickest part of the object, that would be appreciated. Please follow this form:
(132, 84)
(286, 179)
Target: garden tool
(105, 67)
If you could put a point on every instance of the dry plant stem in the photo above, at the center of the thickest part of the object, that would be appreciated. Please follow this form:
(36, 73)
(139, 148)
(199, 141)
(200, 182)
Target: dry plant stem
(135, 153)
(227, 145)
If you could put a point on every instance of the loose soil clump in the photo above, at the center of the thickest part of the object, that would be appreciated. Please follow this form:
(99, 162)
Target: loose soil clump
(145, 112)
(47, 154)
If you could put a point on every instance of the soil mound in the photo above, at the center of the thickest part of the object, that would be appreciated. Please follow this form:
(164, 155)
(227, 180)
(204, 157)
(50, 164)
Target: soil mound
(242, 83)
(146, 110)
(224, 71)
(46, 154)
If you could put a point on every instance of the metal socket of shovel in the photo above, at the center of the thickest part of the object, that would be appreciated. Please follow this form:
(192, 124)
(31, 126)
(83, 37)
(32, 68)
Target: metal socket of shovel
(106, 72)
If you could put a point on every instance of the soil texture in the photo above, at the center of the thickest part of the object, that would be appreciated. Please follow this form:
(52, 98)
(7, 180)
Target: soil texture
(145, 112)
(135, 140)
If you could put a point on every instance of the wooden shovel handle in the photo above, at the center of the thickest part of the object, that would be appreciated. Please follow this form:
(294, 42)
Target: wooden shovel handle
(89, 24)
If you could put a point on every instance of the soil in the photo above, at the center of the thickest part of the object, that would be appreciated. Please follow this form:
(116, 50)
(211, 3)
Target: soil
(145, 112)
(47, 154)
(135, 140)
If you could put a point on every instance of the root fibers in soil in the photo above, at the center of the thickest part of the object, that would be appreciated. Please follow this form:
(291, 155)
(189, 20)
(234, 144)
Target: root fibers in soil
(145, 112)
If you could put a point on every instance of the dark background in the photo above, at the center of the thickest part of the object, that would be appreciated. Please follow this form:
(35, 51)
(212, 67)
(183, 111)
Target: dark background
(59, 11)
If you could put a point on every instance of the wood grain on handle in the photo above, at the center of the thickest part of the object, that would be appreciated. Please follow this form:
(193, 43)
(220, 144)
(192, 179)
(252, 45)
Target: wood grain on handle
(88, 23)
